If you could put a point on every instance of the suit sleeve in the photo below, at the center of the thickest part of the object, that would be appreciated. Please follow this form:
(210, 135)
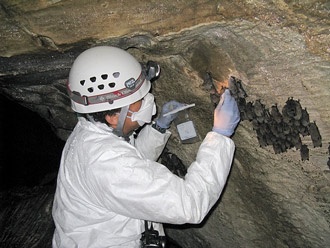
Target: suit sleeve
(140, 188)
(150, 142)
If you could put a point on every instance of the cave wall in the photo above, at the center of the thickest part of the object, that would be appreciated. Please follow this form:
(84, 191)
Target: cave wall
(278, 49)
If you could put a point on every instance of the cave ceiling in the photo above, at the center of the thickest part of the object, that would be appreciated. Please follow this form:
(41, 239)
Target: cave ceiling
(279, 53)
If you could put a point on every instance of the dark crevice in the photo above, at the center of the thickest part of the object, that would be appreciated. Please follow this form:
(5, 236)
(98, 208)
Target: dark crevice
(30, 151)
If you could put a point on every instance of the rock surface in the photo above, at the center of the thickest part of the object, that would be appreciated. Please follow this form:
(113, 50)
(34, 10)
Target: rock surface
(279, 49)
(25, 217)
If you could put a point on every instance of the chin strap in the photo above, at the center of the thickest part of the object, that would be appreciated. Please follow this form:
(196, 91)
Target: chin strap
(121, 121)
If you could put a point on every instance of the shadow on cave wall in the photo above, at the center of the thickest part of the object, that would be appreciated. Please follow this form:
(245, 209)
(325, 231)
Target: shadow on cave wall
(29, 161)
(30, 151)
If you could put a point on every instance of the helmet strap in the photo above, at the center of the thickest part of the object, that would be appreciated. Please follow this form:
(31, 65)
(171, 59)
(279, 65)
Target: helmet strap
(121, 121)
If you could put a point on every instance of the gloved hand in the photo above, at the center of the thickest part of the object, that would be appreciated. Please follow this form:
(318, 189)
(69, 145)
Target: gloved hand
(165, 121)
(226, 115)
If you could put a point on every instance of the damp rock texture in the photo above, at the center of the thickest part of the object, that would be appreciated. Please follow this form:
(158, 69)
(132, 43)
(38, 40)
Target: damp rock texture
(26, 217)
(278, 194)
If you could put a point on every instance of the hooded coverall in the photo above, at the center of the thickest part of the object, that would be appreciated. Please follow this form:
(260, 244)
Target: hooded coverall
(107, 187)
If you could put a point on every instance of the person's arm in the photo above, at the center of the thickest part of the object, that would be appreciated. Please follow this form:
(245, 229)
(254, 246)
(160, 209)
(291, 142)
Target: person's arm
(151, 142)
(140, 188)
(153, 138)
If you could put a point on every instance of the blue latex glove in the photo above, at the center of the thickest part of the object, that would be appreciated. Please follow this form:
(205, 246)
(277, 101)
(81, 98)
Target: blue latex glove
(226, 115)
(165, 121)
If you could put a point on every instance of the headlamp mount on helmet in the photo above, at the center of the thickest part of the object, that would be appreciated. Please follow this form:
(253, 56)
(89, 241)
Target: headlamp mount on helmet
(104, 78)
(152, 70)
(131, 85)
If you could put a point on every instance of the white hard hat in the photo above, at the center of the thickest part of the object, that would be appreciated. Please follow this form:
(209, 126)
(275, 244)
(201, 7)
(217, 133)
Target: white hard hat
(104, 78)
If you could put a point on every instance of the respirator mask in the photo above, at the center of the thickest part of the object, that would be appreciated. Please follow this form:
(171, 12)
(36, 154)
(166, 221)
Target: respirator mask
(147, 110)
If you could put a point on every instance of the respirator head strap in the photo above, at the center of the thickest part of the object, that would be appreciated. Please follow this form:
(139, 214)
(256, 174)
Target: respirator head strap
(121, 121)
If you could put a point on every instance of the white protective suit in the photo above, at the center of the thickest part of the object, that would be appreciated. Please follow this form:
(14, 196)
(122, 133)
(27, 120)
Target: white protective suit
(107, 187)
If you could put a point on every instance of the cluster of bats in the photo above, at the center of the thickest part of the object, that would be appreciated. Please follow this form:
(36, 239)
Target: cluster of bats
(280, 129)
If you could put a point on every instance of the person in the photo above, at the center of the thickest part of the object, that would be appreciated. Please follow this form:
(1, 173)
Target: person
(109, 182)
